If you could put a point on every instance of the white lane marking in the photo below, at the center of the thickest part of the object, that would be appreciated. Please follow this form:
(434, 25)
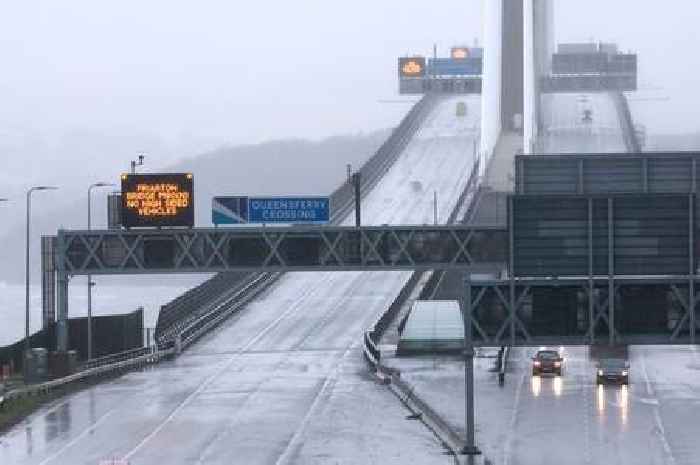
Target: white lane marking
(78, 438)
(215, 375)
(513, 419)
(661, 432)
(296, 438)
(331, 380)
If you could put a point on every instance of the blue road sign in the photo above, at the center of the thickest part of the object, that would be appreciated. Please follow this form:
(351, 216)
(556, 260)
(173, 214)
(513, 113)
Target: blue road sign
(289, 210)
(268, 210)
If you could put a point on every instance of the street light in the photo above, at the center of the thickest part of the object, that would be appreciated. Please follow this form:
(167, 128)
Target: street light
(26, 264)
(135, 163)
(89, 278)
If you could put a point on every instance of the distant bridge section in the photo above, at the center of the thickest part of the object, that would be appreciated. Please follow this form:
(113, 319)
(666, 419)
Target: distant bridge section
(591, 67)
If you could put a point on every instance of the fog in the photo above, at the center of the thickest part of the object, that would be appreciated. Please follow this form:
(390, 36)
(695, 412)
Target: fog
(87, 85)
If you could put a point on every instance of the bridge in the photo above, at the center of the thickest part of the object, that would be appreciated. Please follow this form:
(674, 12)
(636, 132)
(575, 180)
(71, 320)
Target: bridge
(550, 207)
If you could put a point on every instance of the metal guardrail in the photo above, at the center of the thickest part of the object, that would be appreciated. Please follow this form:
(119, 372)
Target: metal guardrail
(503, 354)
(154, 355)
(626, 122)
(179, 336)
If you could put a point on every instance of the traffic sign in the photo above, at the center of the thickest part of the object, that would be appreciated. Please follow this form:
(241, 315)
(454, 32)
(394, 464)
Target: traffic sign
(229, 210)
(268, 210)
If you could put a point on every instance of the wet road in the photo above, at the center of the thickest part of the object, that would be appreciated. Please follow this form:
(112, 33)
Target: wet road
(566, 130)
(572, 420)
(282, 382)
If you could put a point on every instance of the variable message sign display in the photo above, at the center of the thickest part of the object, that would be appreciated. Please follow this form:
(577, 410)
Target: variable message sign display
(157, 200)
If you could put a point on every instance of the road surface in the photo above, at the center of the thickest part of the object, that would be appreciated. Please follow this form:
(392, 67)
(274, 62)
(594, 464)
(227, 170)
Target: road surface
(565, 130)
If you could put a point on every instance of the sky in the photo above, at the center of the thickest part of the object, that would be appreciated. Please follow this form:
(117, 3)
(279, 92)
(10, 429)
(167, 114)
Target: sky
(85, 85)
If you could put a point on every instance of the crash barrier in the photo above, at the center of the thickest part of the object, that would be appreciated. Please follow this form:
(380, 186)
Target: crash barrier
(208, 296)
(502, 361)
(174, 312)
(111, 334)
(128, 361)
(421, 410)
(626, 122)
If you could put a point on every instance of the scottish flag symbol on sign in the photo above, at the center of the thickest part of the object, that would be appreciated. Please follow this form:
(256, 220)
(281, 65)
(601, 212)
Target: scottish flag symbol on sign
(229, 210)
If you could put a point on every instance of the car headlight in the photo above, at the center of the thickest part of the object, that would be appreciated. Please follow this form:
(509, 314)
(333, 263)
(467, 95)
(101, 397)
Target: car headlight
(537, 363)
(600, 372)
(557, 364)
(624, 373)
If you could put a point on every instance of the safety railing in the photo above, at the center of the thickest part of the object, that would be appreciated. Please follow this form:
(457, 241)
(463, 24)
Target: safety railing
(154, 355)
(626, 122)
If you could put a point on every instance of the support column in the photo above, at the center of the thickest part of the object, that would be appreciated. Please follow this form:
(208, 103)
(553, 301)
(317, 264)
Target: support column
(591, 307)
(611, 274)
(511, 269)
(492, 81)
(530, 77)
(691, 265)
(470, 440)
(62, 296)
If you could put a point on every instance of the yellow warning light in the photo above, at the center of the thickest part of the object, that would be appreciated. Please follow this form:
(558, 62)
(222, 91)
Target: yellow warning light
(124, 176)
(412, 67)
(460, 53)
(189, 175)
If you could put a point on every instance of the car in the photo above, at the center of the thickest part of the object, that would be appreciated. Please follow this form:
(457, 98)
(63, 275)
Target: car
(613, 370)
(547, 361)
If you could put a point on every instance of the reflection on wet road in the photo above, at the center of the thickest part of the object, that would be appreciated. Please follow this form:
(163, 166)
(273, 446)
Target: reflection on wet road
(572, 420)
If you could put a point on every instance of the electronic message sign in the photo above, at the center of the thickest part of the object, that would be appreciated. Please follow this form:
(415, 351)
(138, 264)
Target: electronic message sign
(460, 53)
(412, 67)
(157, 200)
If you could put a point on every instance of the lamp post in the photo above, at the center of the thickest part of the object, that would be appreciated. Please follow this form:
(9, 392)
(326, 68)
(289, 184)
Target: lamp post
(26, 264)
(89, 278)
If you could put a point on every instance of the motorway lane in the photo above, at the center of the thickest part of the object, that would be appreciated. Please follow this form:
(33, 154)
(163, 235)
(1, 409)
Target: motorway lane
(571, 420)
(261, 388)
(566, 131)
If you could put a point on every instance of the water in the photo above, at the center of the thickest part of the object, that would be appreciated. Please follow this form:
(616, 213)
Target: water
(109, 297)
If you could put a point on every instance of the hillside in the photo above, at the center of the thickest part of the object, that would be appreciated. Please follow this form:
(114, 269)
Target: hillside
(284, 167)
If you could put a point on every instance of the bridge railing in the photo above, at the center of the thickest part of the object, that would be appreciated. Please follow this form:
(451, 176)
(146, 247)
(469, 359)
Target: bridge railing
(626, 122)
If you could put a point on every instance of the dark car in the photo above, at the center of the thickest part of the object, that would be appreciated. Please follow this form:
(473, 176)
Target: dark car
(547, 361)
(613, 370)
